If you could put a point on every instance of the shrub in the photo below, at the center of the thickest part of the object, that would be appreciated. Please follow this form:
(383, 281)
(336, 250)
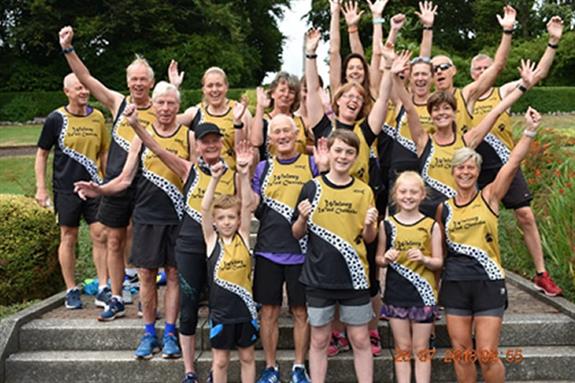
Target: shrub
(29, 266)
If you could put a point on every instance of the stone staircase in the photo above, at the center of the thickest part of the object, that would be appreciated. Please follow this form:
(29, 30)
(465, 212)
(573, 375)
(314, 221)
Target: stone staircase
(50, 344)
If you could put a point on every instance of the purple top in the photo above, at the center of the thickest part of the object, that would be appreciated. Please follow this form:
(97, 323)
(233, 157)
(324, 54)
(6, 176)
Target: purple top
(280, 258)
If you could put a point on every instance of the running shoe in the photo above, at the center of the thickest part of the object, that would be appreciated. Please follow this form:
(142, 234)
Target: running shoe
(375, 341)
(103, 297)
(546, 285)
(148, 347)
(190, 377)
(73, 300)
(338, 343)
(115, 309)
(269, 375)
(171, 349)
(299, 375)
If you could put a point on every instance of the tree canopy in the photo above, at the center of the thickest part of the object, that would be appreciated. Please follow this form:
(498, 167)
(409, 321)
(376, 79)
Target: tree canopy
(240, 36)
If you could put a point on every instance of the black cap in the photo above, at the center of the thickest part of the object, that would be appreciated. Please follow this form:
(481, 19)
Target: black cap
(206, 128)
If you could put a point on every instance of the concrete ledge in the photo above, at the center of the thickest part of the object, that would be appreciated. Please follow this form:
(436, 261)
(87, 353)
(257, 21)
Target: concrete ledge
(10, 326)
(563, 305)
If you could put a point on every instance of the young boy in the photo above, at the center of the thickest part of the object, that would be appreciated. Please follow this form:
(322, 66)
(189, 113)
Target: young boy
(337, 212)
(233, 315)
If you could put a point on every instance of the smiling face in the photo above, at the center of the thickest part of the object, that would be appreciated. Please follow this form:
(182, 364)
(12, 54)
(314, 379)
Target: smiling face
(166, 106)
(283, 96)
(466, 174)
(209, 147)
(215, 88)
(355, 71)
(78, 95)
(409, 192)
(350, 103)
(444, 71)
(139, 82)
(341, 156)
(420, 79)
(282, 134)
(442, 116)
(227, 221)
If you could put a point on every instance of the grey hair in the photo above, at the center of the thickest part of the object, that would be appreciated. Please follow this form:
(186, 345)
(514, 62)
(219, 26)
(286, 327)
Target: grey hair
(464, 154)
(140, 60)
(163, 88)
(478, 57)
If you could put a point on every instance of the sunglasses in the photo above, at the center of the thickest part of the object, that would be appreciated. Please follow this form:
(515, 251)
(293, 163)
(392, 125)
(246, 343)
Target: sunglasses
(420, 59)
(442, 67)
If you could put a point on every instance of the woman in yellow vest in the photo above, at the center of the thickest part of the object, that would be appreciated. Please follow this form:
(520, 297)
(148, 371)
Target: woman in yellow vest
(436, 150)
(473, 282)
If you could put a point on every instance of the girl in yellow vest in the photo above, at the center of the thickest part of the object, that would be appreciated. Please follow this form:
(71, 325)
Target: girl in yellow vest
(410, 247)
(473, 288)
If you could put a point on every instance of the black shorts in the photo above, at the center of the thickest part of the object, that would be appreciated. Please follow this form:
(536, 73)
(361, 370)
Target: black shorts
(115, 211)
(153, 246)
(517, 196)
(473, 297)
(269, 278)
(374, 287)
(233, 335)
(70, 209)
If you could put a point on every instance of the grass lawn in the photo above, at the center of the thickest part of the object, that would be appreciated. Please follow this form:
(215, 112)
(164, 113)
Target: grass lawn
(19, 135)
(17, 175)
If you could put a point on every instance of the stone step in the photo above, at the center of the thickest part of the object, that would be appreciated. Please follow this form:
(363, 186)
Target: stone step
(123, 334)
(539, 364)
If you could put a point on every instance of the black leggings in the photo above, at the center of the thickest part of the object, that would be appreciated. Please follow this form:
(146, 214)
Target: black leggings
(192, 271)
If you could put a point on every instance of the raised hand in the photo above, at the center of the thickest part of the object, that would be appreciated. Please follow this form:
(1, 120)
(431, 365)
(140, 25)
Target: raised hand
(351, 14)
(397, 21)
(321, 154)
(130, 112)
(401, 62)
(87, 189)
(415, 255)
(262, 98)
(426, 13)
(66, 35)
(377, 7)
(370, 216)
(304, 208)
(508, 20)
(244, 157)
(555, 29)
(334, 6)
(217, 169)
(532, 120)
(388, 54)
(176, 78)
(312, 40)
(240, 109)
(528, 73)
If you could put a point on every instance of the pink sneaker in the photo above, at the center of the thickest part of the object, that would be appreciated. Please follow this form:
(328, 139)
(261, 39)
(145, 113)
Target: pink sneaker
(339, 343)
(375, 342)
(545, 284)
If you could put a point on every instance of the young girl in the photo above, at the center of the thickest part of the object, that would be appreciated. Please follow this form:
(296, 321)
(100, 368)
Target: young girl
(410, 244)
(233, 315)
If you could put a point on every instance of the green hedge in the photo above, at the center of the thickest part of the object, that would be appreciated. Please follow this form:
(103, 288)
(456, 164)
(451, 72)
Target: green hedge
(24, 106)
(29, 266)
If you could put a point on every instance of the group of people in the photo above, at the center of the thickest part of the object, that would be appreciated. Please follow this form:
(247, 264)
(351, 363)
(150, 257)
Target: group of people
(382, 177)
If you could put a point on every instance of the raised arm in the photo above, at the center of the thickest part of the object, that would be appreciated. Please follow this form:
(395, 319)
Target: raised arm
(334, 46)
(352, 18)
(396, 23)
(257, 131)
(376, 9)
(473, 137)
(426, 16)
(244, 159)
(496, 190)
(207, 214)
(176, 164)
(378, 113)
(314, 105)
(474, 90)
(176, 78)
(418, 134)
(241, 121)
(109, 98)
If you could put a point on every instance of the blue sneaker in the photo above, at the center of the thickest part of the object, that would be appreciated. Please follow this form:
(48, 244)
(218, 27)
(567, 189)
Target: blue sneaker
(171, 349)
(73, 301)
(270, 375)
(115, 309)
(299, 375)
(148, 347)
(103, 297)
(190, 377)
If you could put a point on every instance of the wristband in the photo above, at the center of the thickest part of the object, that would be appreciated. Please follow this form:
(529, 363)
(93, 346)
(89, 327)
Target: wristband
(553, 46)
(522, 88)
(427, 28)
(311, 56)
(239, 126)
(68, 50)
(529, 133)
(508, 31)
(352, 29)
(378, 20)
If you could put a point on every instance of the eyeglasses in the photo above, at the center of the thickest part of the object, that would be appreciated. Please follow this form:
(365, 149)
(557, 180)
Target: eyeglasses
(352, 97)
(442, 67)
(420, 59)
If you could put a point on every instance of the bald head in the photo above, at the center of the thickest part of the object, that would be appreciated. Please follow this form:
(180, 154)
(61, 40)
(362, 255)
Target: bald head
(282, 133)
(281, 120)
(70, 81)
